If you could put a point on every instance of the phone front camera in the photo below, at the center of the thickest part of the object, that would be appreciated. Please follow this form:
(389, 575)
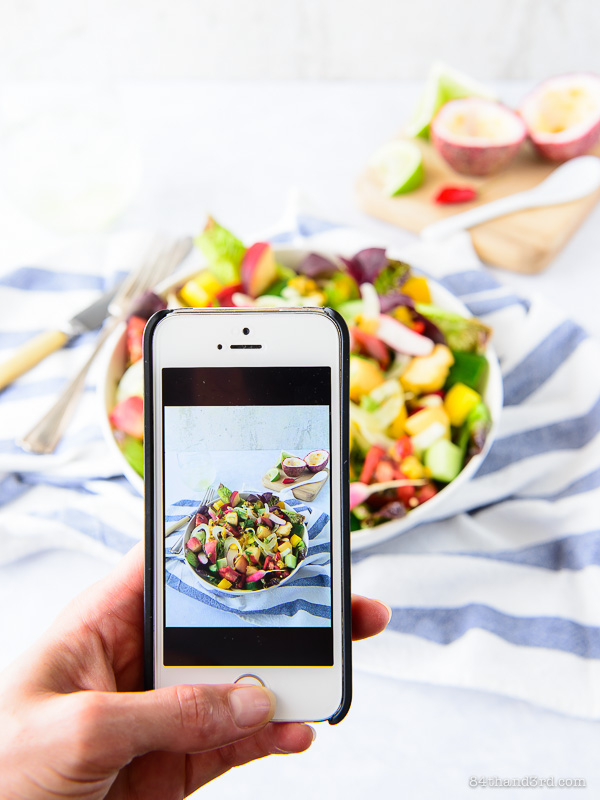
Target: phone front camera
(246, 331)
(219, 347)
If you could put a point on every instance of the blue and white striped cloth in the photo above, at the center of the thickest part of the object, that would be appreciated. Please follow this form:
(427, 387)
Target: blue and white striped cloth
(500, 593)
(306, 598)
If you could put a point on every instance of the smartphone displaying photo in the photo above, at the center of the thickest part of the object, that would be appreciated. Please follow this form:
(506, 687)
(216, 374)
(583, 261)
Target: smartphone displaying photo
(247, 462)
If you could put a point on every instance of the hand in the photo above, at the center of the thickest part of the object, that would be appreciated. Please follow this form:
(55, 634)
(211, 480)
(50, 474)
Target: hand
(74, 722)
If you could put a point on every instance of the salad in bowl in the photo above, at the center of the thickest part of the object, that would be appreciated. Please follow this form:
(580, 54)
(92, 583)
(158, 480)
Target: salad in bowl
(425, 385)
(244, 542)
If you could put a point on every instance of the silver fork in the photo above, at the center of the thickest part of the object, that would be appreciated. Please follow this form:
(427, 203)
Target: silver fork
(208, 498)
(160, 262)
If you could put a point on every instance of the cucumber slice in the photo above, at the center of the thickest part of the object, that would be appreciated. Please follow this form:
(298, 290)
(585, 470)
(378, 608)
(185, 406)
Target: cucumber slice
(444, 459)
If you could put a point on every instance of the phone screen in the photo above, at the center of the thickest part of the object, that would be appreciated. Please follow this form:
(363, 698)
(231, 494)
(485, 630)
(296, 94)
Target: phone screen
(253, 583)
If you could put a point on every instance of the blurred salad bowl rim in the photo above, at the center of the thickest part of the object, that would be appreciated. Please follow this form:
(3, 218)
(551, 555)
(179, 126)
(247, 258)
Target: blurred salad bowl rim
(492, 394)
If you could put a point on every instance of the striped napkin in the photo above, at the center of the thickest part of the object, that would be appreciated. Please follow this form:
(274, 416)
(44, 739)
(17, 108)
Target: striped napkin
(305, 597)
(499, 592)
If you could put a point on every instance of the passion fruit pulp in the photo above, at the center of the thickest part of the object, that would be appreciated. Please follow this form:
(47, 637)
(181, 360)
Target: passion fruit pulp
(317, 460)
(293, 466)
(562, 115)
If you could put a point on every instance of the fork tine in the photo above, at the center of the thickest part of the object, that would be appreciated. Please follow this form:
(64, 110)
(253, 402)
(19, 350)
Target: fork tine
(157, 264)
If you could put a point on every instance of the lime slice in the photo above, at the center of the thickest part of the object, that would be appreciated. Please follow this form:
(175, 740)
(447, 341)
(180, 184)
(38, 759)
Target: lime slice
(273, 474)
(443, 84)
(399, 167)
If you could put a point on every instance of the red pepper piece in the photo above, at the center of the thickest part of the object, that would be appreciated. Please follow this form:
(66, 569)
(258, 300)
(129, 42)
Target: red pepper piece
(385, 471)
(371, 346)
(225, 295)
(455, 194)
(288, 480)
(402, 448)
(373, 457)
(426, 492)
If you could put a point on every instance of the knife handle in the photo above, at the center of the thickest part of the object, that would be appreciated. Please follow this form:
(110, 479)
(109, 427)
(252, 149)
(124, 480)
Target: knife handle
(30, 354)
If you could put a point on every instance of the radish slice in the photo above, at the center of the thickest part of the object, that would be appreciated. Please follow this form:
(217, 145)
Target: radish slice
(371, 306)
(401, 339)
(358, 493)
(241, 300)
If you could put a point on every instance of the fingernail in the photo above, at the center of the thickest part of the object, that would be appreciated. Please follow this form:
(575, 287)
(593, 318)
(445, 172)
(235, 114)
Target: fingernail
(313, 731)
(251, 705)
(387, 608)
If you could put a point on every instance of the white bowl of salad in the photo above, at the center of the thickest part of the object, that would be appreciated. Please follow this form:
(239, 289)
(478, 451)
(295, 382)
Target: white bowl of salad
(245, 542)
(425, 384)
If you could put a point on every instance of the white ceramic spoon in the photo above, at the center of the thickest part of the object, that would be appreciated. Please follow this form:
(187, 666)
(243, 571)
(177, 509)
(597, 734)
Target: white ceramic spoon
(571, 181)
(316, 478)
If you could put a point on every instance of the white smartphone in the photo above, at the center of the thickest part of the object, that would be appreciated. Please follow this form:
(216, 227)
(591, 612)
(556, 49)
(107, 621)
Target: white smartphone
(247, 518)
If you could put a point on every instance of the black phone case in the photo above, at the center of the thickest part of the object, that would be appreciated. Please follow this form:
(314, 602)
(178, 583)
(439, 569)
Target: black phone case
(345, 510)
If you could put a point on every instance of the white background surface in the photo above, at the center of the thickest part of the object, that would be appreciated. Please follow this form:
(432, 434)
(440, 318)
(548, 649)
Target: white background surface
(358, 39)
(235, 149)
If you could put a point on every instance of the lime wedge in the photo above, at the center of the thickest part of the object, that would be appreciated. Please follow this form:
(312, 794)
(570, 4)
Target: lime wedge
(273, 474)
(443, 84)
(283, 456)
(399, 167)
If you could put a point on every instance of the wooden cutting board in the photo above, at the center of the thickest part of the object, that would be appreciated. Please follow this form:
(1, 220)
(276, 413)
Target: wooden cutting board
(526, 241)
(306, 493)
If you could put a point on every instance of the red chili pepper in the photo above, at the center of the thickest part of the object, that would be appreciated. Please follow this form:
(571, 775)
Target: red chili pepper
(455, 194)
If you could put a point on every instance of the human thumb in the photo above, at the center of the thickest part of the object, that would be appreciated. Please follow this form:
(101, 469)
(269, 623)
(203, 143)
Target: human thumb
(179, 719)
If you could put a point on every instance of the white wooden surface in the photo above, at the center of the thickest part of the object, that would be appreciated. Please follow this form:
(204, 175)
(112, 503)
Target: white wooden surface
(361, 39)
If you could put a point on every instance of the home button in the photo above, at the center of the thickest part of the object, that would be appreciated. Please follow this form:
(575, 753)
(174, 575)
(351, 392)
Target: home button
(253, 680)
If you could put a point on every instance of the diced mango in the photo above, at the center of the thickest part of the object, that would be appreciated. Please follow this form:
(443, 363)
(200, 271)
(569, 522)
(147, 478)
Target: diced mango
(459, 401)
(428, 373)
(295, 540)
(224, 584)
(365, 375)
(418, 289)
(367, 324)
(412, 468)
(396, 429)
(422, 419)
(201, 290)
(402, 314)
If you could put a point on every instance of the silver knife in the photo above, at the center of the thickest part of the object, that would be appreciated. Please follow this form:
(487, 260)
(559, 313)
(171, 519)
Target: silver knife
(36, 349)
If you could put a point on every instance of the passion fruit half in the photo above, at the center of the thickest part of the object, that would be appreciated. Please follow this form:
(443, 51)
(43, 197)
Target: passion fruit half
(477, 136)
(293, 466)
(317, 460)
(563, 115)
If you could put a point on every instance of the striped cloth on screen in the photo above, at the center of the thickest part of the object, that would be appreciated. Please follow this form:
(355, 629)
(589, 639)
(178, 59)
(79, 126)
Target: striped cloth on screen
(500, 592)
